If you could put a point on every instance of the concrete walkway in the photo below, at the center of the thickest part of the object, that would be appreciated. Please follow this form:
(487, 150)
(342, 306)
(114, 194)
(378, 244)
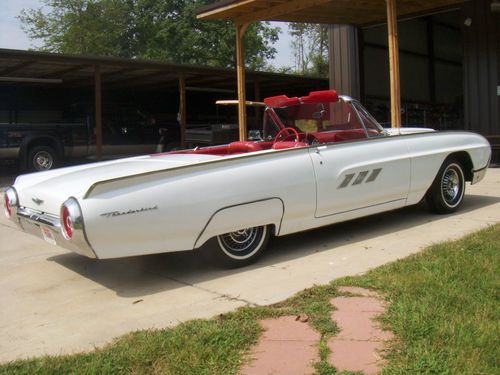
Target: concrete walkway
(58, 302)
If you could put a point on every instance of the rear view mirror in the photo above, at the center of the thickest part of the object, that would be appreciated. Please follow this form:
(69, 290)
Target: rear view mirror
(321, 112)
(318, 115)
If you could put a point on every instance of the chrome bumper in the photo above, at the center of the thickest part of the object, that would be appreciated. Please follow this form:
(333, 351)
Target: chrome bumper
(478, 175)
(37, 223)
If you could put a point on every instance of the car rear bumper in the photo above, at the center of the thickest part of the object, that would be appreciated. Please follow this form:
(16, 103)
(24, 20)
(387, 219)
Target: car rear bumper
(48, 227)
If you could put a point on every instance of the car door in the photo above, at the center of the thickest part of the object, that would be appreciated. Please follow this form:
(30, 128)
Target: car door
(359, 174)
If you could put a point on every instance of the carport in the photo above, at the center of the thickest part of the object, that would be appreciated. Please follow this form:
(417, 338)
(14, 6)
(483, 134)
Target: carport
(354, 12)
(29, 68)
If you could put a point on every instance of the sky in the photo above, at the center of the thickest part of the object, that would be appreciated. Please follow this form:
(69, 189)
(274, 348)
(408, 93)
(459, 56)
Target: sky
(12, 36)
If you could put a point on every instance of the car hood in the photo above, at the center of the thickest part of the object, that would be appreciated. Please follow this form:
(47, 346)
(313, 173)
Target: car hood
(46, 191)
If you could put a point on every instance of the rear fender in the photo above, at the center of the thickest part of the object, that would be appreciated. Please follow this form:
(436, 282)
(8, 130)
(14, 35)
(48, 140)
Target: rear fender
(246, 215)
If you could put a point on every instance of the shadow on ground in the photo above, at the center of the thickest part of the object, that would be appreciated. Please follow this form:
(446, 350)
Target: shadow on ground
(145, 275)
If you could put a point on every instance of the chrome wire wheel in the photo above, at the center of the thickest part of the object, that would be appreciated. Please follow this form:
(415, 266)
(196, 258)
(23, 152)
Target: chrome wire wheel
(42, 161)
(452, 185)
(448, 188)
(243, 244)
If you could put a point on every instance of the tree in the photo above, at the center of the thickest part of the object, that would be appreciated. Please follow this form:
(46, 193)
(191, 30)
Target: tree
(164, 30)
(310, 48)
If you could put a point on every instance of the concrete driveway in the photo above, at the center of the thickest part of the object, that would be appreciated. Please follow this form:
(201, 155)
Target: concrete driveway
(56, 302)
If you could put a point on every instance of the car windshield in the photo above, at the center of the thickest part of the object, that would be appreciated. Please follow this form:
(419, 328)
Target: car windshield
(313, 118)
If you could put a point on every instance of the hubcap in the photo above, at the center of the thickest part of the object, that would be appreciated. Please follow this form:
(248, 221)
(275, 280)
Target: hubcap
(240, 240)
(450, 186)
(242, 244)
(42, 160)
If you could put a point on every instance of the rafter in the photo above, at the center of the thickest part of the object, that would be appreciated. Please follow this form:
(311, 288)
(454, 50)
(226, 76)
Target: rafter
(62, 72)
(270, 12)
(17, 67)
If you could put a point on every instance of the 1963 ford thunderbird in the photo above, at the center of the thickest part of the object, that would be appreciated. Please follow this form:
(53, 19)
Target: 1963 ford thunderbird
(319, 159)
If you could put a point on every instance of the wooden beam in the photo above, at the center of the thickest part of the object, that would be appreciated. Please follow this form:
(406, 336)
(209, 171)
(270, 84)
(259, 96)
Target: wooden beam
(98, 112)
(240, 72)
(17, 67)
(118, 72)
(392, 31)
(224, 8)
(270, 12)
(182, 108)
(62, 72)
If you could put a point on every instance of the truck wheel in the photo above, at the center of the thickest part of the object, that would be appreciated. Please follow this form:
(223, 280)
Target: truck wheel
(242, 247)
(41, 158)
(447, 191)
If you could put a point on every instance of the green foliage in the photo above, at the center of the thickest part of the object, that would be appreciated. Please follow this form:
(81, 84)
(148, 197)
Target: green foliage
(163, 30)
(310, 48)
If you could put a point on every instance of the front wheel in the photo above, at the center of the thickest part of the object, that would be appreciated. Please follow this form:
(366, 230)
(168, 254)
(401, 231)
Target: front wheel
(447, 191)
(242, 247)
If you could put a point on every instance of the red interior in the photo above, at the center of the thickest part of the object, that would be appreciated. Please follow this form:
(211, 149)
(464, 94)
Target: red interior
(242, 147)
(343, 133)
(324, 96)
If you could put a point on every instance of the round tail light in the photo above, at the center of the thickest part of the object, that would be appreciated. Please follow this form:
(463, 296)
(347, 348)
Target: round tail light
(8, 208)
(67, 223)
(10, 202)
(71, 218)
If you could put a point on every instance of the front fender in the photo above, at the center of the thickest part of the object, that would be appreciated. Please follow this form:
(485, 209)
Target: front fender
(245, 215)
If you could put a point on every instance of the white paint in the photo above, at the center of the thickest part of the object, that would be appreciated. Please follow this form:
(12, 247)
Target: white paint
(305, 179)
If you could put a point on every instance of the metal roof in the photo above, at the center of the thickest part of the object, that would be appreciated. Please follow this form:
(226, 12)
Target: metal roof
(35, 68)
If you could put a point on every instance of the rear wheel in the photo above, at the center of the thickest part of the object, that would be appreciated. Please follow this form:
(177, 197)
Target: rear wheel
(241, 247)
(447, 191)
(41, 158)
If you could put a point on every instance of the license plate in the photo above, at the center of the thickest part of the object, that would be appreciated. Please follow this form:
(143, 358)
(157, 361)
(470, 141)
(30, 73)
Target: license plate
(48, 235)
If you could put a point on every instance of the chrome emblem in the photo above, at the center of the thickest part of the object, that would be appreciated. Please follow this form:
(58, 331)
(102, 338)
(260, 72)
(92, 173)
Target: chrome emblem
(120, 213)
(37, 201)
(360, 178)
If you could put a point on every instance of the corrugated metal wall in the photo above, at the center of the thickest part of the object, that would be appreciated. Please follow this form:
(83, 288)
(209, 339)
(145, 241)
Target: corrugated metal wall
(481, 67)
(344, 59)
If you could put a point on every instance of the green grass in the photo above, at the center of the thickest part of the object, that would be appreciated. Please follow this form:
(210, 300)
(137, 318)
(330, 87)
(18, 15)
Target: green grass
(444, 309)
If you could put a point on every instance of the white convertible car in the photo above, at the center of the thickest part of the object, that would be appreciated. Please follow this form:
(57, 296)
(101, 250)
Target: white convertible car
(320, 159)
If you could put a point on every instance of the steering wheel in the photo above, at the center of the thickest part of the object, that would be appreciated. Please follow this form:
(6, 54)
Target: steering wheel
(287, 130)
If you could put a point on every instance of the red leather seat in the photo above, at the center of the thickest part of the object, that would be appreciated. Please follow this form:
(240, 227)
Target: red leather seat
(288, 144)
(242, 147)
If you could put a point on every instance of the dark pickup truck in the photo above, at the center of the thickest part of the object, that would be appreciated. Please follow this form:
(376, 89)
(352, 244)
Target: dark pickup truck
(42, 146)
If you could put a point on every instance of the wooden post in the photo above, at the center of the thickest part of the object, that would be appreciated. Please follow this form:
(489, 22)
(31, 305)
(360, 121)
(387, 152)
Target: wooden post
(240, 71)
(182, 108)
(98, 111)
(392, 31)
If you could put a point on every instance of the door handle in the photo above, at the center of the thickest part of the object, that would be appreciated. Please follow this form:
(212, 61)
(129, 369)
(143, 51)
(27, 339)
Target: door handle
(320, 148)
